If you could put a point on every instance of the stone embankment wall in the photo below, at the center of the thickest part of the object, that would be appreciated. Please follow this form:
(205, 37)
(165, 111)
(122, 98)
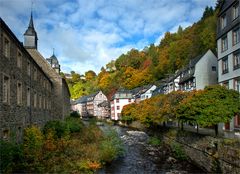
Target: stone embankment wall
(214, 155)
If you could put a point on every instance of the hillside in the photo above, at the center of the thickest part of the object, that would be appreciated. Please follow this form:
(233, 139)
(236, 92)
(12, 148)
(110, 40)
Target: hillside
(155, 62)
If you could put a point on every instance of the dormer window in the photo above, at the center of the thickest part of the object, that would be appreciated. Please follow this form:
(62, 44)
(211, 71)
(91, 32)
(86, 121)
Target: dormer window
(235, 11)
(223, 21)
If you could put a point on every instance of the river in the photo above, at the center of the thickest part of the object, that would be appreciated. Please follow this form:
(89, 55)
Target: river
(142, 158)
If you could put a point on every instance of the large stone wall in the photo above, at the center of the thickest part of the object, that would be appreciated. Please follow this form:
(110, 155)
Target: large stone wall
(14, 116)
(214, 155)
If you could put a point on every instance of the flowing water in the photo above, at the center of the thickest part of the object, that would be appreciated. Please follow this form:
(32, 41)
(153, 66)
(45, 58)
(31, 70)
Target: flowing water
(142, 158)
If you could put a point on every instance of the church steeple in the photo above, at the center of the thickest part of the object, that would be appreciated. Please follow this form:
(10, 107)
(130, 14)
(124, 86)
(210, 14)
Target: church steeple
(30, 35)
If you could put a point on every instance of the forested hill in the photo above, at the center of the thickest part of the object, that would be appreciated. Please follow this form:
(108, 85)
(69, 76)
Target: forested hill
(137, 68)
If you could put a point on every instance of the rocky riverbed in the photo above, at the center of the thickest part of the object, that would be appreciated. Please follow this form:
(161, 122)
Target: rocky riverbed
(142, 158)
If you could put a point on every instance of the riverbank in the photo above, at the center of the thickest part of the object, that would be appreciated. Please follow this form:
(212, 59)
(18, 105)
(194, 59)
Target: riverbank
(60, 147)
(144, 154)
(209, 154)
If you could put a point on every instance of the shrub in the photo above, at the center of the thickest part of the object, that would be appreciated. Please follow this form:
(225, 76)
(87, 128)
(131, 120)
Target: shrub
(11, 155)
(178, 151)
(33, 141)
(154, 141)
(74, 124)
(59, 128)
(75, 114)
(111, 147)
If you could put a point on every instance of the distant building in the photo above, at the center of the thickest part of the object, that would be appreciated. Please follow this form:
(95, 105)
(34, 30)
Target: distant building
(228, 43)
(121, 98)
(199, 73)
(93, 101)
(143, 92)
(171, 83)
(53, 61)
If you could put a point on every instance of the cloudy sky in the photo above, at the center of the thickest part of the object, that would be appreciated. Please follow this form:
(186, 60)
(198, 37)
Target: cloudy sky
(87, 34)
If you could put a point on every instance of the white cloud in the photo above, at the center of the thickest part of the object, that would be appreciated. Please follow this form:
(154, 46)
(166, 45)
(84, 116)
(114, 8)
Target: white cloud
(88, 34)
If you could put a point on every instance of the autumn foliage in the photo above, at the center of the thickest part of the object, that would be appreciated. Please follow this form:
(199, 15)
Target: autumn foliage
(208, 107)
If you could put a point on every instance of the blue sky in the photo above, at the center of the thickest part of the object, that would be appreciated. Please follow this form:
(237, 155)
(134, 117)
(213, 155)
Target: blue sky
(87, 34)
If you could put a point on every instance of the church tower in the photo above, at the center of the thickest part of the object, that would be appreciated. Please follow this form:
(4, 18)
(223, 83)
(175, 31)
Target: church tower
(53, 61)
(30, 36)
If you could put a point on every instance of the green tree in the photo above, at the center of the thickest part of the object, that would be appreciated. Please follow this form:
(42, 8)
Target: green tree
(213, 105)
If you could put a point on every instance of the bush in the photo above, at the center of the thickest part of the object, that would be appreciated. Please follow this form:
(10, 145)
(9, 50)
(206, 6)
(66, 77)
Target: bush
(59, 128)
(178, 151)
(111, 147)
(74, 124)
(75, 114)
(154, 141)
(11, 155)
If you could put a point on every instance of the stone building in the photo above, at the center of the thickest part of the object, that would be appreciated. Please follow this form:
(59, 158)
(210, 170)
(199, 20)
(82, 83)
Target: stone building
(51, 67)
(228, 46)
(25, 89)
(31, 91)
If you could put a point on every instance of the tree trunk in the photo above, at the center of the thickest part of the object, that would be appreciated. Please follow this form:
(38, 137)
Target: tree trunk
(197, 128)
(164, 124)
(181, 125)
(216, 129)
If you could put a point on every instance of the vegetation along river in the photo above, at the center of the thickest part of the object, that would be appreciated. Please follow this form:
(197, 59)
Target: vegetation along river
(141, 157)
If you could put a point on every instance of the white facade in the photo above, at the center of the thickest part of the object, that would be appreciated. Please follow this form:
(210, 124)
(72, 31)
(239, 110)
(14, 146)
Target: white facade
(148, 93)
(117, 106)
(228, 46)
(206, 71)
(201, 72)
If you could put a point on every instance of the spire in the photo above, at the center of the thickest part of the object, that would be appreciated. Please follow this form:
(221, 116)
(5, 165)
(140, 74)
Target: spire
(30, 35)
(31, 30)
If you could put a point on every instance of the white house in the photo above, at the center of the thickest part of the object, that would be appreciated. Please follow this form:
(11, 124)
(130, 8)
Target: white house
(121, 98)
(147, 92)
(199, 73)
(228, 46)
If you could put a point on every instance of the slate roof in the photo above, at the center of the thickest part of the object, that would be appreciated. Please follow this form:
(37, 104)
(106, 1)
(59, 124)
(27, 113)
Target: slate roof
(31, 30)
(225, 5)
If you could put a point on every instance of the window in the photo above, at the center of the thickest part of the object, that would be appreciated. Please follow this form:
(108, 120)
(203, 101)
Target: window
(118, 107)
(6, 47)
(44, 105)
(28, 68)
(19, 93)
(235, 11)
(236, 36)
(28, 96)
(40, 101)
(214, 68)
(5, 134)
(224, 43)
(236, 60)
(117, 100)
(35, 74)
(225, 65)
(223, 21)
(19, 59)
(35, 100)
(6, 89)
(237, 84)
